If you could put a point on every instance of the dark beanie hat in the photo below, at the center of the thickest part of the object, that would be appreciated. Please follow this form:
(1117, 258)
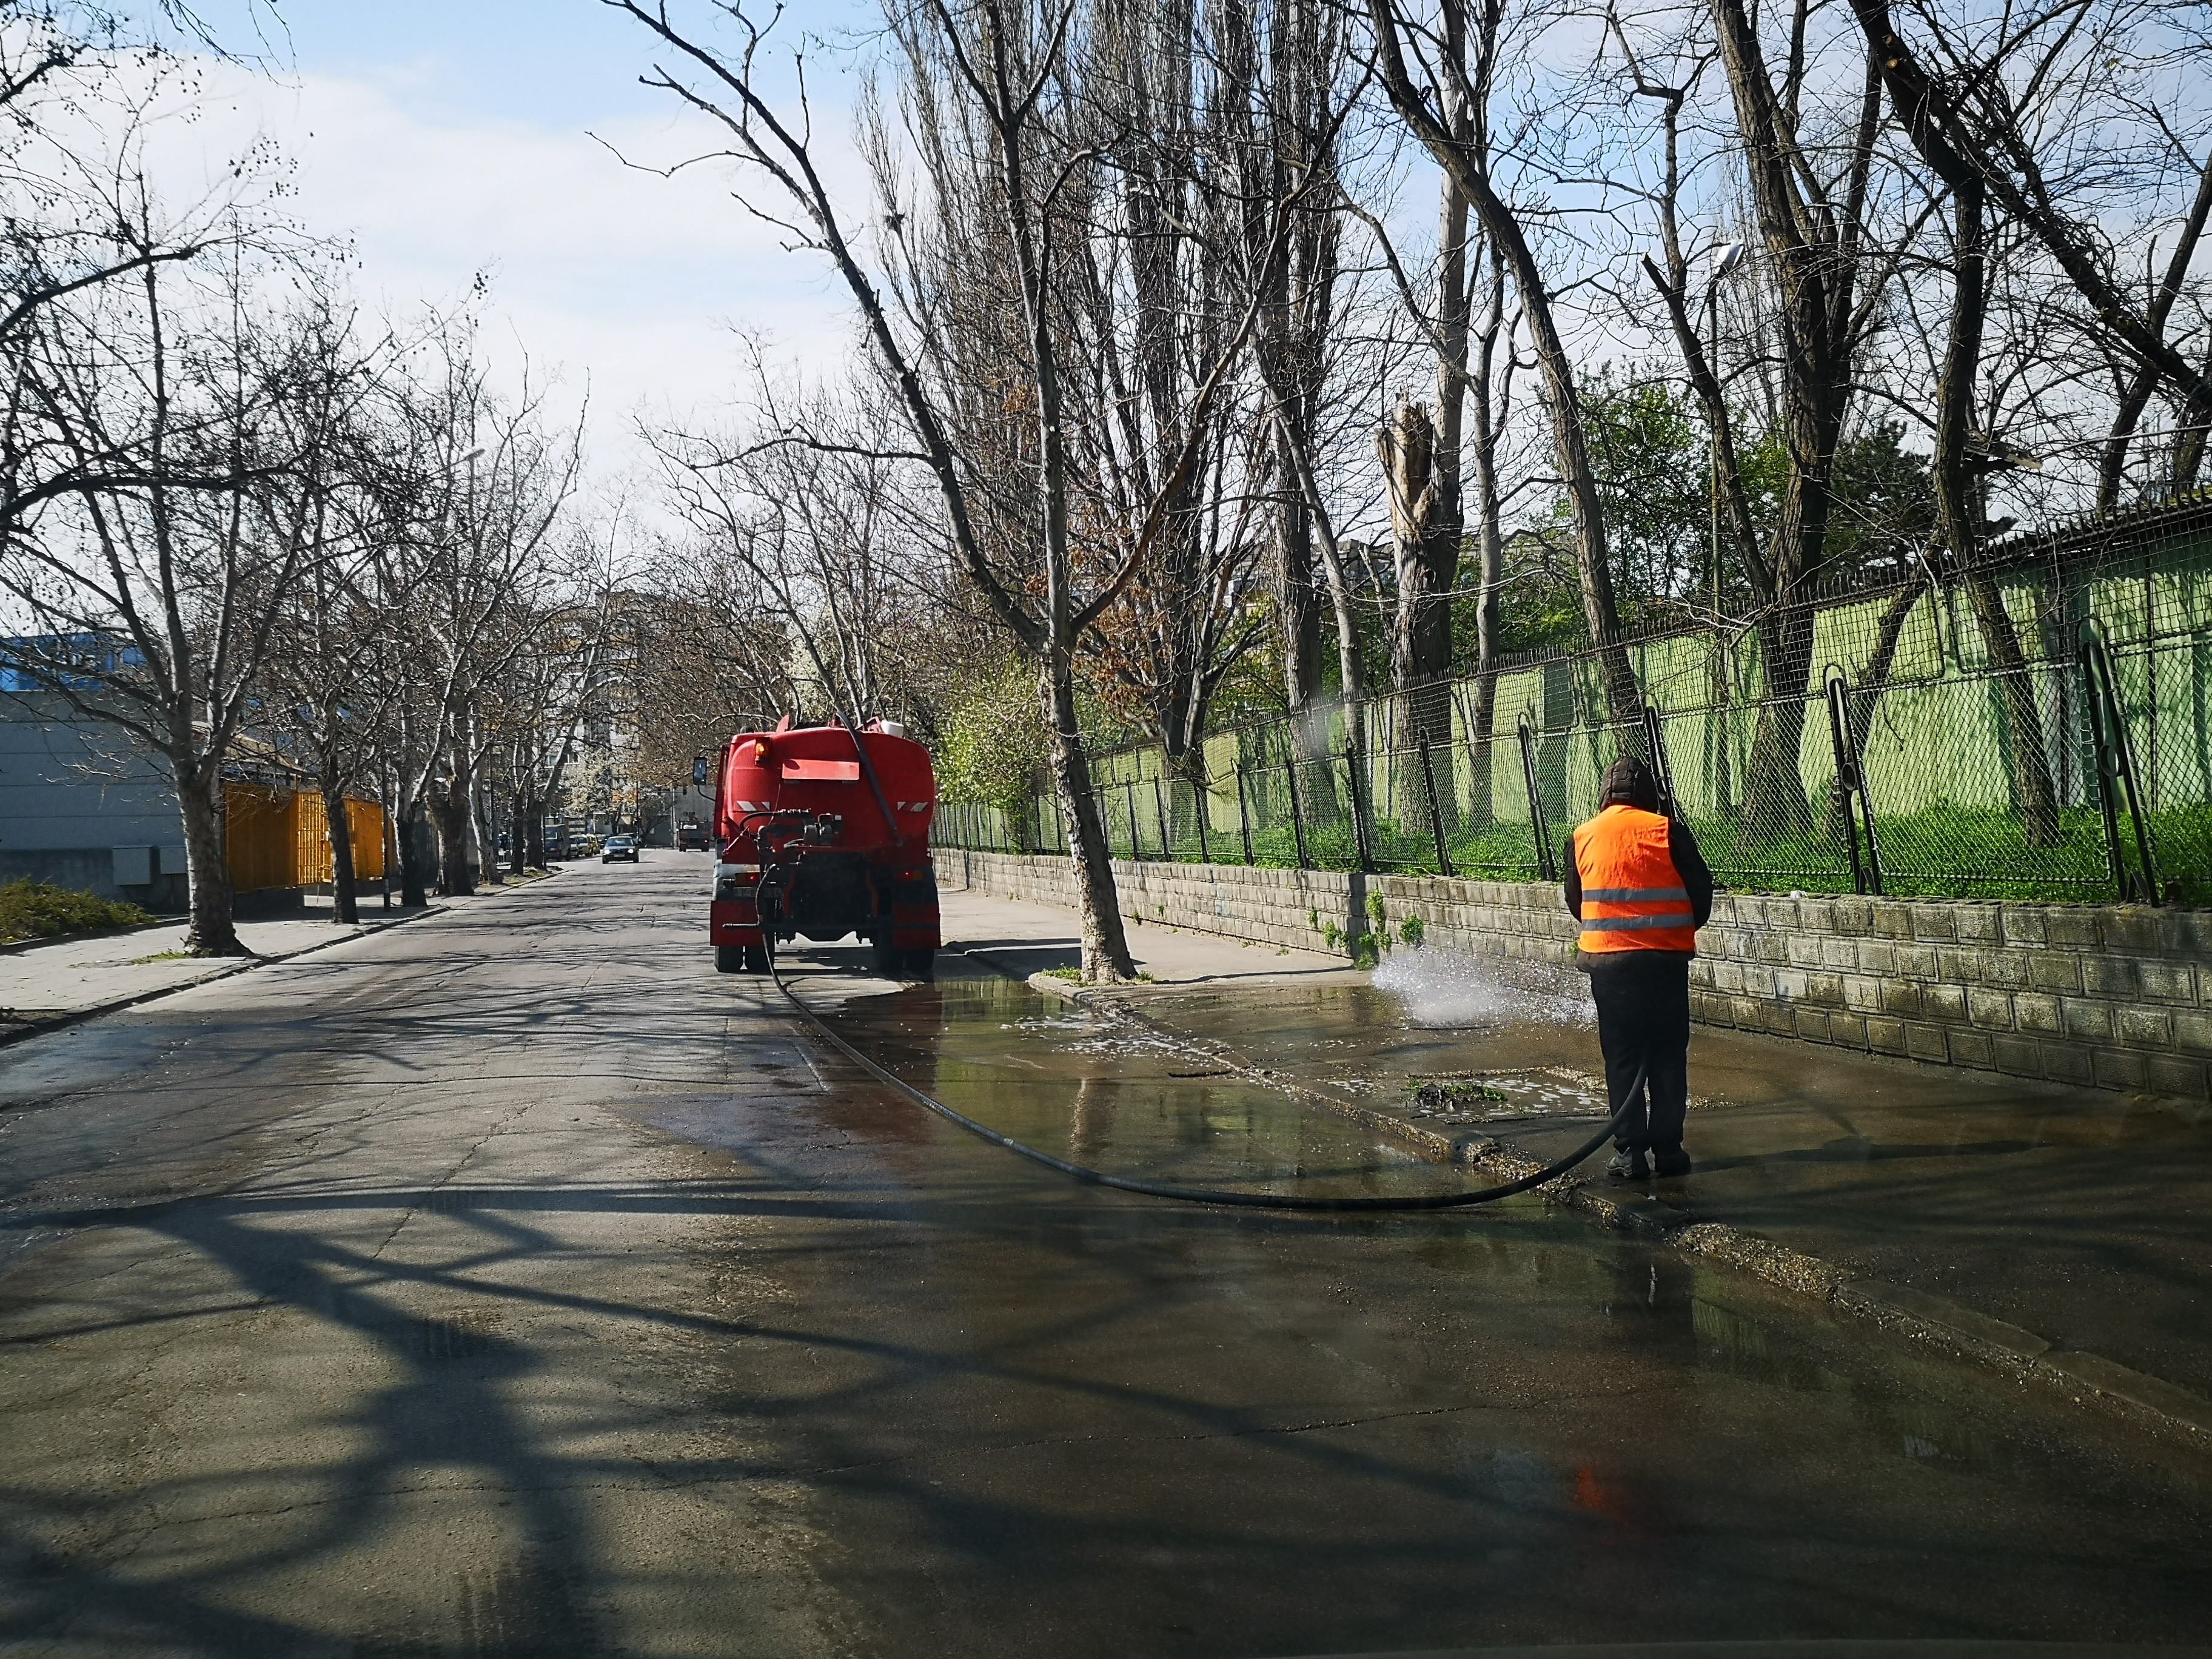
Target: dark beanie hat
(1628, 781)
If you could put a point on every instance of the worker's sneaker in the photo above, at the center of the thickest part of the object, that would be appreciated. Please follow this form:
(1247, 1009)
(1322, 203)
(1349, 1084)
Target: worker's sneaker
(1628, 1165)
(1670, 1161)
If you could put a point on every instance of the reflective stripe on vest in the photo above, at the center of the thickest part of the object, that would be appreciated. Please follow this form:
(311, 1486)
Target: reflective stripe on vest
(1632, 896)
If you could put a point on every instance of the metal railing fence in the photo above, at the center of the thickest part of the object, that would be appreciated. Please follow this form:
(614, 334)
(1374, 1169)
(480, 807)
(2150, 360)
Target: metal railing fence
(2042, 729)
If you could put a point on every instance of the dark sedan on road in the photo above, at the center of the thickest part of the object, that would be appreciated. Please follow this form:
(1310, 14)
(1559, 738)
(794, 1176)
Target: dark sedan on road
(619, 846)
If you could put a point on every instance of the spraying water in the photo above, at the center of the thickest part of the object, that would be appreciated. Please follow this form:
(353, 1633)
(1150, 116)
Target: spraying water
(1441, 988)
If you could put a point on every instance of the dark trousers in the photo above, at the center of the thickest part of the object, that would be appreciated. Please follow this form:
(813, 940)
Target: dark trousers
(1642, 1001)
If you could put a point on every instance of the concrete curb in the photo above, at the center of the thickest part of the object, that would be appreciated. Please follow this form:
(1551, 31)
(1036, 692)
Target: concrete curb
(62, 1022)
(2133, 1396)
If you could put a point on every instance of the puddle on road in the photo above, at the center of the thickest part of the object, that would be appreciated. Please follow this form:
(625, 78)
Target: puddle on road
(1480, 1316)
(1112, 1095)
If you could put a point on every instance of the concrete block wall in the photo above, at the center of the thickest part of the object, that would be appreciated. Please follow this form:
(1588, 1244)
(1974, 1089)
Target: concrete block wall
(2118, 996)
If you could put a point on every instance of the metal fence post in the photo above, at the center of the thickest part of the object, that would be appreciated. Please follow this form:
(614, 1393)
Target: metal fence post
(1298, 822)
(1202, 800)
(1244, 816)
(1661, 769)
(1160, 811)
(1545, 867)
(1136, 845)
(1359, 826)
(2116, 768)
(1850, 781)
(1435, 812)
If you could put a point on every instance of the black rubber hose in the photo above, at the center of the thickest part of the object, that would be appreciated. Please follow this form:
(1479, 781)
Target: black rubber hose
(1207, 1194)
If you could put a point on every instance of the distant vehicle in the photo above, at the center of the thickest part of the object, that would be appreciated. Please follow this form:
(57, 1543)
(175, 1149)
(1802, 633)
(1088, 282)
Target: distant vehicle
(690, 836)
(618, 847)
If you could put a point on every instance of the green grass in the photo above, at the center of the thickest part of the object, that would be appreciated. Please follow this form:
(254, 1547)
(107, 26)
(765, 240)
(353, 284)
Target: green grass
(1943, 851)
(39, 910)
(1061, 973)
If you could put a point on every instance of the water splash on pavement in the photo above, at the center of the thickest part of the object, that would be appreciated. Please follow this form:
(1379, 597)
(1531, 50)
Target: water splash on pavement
(1442, 987)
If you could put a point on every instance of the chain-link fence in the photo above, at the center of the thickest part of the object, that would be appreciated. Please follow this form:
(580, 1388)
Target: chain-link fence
(2039, 728)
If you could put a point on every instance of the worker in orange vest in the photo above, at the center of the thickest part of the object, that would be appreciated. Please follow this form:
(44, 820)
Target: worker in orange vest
(1639, 886)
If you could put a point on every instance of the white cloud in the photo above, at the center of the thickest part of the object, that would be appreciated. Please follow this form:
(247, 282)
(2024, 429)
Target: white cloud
(627, 281)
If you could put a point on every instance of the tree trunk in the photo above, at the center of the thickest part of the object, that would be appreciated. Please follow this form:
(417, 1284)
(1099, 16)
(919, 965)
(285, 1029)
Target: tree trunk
(2030, 760)
(339, 828)
(450, 808)
(1424, 524)
(413, 890)
(200, 803)
(518, 833)
(1481, 760)
(1873, 679)
(451, 827)
(1490, 552)
(1105, 946)
(1813, 242)
(483, 839)
(1775, 804)
(1297, 598)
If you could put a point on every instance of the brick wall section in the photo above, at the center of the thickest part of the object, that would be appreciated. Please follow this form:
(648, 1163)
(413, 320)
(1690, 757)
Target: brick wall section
(2118, 996)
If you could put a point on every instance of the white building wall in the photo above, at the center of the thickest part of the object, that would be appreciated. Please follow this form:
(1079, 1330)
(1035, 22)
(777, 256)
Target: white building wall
(72, 793)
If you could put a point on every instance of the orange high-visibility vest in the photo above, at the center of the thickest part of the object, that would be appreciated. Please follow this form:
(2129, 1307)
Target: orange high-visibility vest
(1632, 896)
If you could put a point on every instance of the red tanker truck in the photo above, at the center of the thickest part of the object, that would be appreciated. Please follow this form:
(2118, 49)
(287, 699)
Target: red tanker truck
(820, 832)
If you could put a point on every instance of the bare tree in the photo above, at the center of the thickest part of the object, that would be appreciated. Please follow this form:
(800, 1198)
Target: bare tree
(803, 529)
(989, 98)
(156, 584)
(490, 481)
(344, 617)
(1447, 108)
(1980, 128)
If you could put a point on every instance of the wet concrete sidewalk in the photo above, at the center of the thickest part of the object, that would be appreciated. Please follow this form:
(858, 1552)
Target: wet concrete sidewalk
(2057, 1232)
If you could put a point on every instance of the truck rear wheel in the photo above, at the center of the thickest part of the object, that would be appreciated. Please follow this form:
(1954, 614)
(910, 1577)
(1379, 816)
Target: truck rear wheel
(756, 958)
(730, 958)
(921, 965)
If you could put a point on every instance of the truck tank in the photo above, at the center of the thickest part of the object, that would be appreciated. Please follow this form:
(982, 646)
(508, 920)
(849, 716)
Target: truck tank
(822, 833)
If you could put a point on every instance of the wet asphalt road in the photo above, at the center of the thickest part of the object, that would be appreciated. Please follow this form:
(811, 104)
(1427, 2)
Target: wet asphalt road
(511, 1283)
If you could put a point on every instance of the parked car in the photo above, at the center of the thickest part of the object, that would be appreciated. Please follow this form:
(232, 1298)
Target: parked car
(618, 847)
